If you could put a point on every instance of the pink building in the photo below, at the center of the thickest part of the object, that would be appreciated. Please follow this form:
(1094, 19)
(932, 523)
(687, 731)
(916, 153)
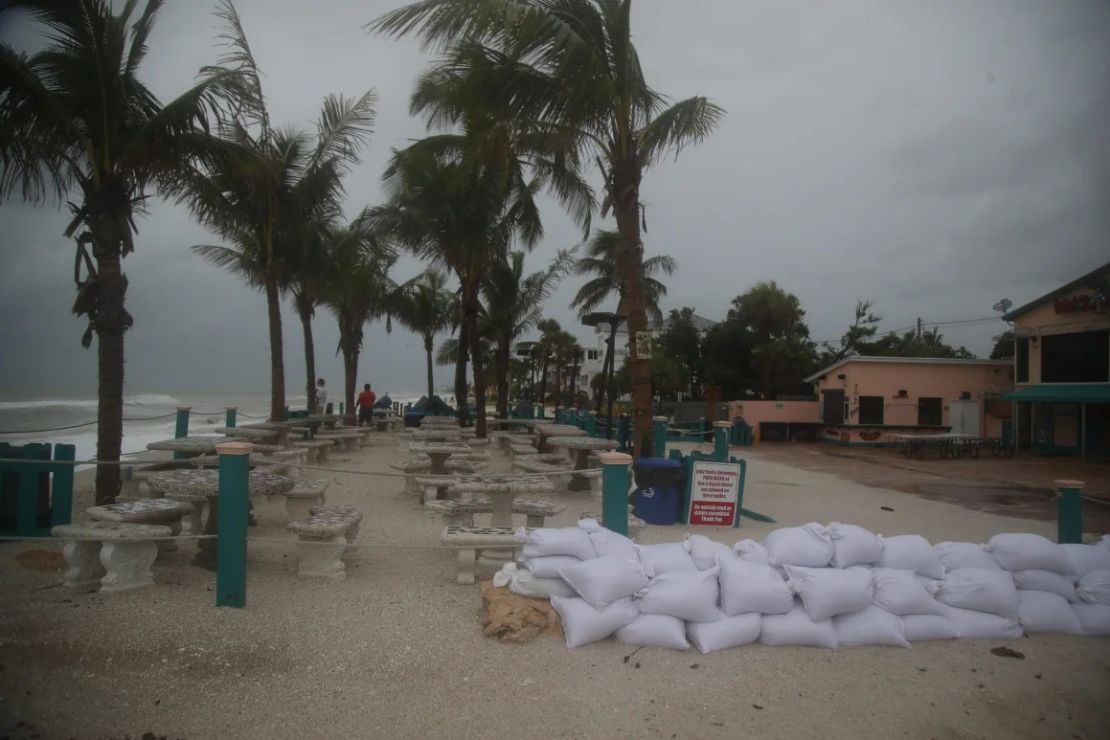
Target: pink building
(864, 400)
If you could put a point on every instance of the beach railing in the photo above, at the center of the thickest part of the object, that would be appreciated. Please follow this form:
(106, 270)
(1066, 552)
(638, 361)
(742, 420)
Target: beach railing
(36, 493)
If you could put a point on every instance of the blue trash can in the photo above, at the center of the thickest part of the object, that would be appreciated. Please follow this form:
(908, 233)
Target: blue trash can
(658, 493)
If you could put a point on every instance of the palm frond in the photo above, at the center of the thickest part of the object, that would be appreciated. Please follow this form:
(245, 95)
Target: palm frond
(687, 122)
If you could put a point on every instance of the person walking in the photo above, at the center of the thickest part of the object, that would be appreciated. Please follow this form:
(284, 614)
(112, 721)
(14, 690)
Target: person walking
(365, 405)
(322, 398)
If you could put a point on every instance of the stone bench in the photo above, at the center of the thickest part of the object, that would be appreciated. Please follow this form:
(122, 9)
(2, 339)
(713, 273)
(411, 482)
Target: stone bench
(305, 495)
(520, 449)
(323, 538)
(477, 442)
(163, 511)
(348, 440)
(636, 525)
(593, 477)
(469, 540)
(317, 449)
(461, 513)
(108, 555)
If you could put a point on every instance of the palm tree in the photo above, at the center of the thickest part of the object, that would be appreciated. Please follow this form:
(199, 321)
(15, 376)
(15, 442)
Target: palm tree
(267, 184)
(78, 125)
(357, 289)
(305, 268)
(570, 67)
(512, 305)
(600, 261)
(546, 347)
(426, 307)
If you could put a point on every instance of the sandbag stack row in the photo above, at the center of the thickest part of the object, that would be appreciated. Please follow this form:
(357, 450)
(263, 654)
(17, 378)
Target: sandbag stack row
(825, 586)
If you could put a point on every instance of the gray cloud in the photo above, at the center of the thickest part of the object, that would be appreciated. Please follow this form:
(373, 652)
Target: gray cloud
(931, 156)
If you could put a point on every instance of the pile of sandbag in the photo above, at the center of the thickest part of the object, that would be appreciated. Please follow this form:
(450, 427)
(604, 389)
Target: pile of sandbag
(818, 585)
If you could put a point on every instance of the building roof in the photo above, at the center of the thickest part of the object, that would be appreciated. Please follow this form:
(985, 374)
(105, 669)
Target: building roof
(908, 361)
(1079, 282)
(1062, 393)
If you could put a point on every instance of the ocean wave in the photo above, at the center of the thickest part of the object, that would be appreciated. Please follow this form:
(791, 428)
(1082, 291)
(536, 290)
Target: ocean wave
(141, 399)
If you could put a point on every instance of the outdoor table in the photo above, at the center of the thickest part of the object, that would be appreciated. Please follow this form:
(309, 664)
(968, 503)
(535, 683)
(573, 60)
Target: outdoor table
(349, 438)
(546, 431)
(438, 453)
(188, 446)
(197, 486)
(387, 423)
(328, 420)
(439, 422)
(437, 435)
(281, 428)
(502, 490)
(582, 448)
(262, 435)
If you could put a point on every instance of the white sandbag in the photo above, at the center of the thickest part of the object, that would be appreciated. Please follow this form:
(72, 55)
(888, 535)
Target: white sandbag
(1093, 618)
(705, 552)
(608, 542)
(796, 628)
(964, 555)
(1085, 558)
(655, 630)
(900, 592)
(1094, 588)
(925, 627)
(524, 583)
(753, 587)
(1045, 580)
(826, 592)
(973, 625)
(1025, 551)
(601, 581)
(981, 590)
(854, 545)
(582, 624)
(1041, 611)
(688, 596)
(872, 626)
(670, 557)
(751, 551)
(911, 552)
(556, 541)
(726, 632)
(548, 565)
(809, 546)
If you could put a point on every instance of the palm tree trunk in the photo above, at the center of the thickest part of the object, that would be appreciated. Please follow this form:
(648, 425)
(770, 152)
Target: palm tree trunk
(558, 385)
(462, 410)
(503, 362)
(470, 319)
(429, 346)
(350, 375)
(626, 209)
(111, 322)
(543, 379)
(309, 359)
(277, 366)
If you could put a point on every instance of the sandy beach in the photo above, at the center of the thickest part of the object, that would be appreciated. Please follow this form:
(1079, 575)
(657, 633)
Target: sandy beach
(396, 649)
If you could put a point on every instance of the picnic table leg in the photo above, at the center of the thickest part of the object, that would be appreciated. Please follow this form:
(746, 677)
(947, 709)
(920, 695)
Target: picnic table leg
(581, 462)
(206, 549)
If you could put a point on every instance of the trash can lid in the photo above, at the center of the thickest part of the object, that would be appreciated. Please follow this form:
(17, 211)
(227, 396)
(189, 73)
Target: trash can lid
(656, 462)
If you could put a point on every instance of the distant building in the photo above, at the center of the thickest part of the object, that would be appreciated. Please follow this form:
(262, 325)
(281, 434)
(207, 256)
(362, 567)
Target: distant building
(1062, 368)
(594, 359)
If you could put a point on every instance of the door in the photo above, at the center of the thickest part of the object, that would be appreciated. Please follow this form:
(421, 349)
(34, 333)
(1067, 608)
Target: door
(963, 417)
(832, 406)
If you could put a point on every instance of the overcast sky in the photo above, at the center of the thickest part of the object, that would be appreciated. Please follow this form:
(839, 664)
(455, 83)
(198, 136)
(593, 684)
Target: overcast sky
(933, 157)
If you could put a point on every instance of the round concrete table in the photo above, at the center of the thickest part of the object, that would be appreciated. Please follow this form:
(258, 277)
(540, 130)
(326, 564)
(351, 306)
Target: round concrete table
(582, 448)
(188, 446)
(262, 435)
(437, 435)
(438, 453)
(328, 420)
(501, 490)
(349, 438)
(197, 486)
(546, 431)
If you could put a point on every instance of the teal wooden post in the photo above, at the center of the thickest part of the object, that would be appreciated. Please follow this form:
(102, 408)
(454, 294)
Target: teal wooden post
(61, 492)
(614, 491)
(659, 448)
(341, 408)
(720, 440)
(591, 424)
(231, 529)
(229, 417)
(182, 428)
(1069, 512)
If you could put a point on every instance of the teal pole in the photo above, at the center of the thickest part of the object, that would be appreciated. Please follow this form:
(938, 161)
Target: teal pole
(61, 492)
(1069, 512)
(720, 440)
(660, 446)
(229, 417)
(614, 491)
(591, 424)
(231, 528)
(182, 428)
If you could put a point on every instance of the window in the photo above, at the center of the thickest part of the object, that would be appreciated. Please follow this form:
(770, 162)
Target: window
(584, 381)
(1021, 360)
(592, 354)
(1082, 357)
(930, 412)
(871, 409)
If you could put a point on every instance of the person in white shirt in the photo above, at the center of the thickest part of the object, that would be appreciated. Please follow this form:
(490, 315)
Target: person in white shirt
(321, 397)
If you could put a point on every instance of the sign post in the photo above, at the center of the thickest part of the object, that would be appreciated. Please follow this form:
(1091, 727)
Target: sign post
(714, 494)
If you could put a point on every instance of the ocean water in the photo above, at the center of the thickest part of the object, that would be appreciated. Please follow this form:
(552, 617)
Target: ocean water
(148, 417)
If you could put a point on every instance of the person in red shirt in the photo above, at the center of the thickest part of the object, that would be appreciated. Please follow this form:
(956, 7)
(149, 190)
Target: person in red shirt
(365, 405)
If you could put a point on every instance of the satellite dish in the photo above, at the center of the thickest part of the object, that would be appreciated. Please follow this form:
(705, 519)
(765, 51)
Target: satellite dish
(1003, 305)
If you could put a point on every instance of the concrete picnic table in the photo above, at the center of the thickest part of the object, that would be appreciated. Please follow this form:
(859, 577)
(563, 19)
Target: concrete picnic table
(501, 490)
(282, 428)
(438, 453)
(386, 423)
(349, 438)
(328, 420)
(247, 433)
(188, 446)
(582, 447)
(546, 431)
(197, 486)
(437, 435)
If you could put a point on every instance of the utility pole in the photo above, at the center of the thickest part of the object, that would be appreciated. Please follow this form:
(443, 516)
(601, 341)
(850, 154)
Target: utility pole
(919, 327)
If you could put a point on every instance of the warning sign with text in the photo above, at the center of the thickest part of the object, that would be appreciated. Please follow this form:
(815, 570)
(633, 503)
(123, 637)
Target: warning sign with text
(714, 494)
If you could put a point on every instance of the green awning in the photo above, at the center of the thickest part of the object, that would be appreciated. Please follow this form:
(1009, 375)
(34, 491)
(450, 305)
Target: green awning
(1062, 393)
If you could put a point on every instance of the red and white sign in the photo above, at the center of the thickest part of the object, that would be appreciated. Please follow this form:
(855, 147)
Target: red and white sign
(714, 494)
